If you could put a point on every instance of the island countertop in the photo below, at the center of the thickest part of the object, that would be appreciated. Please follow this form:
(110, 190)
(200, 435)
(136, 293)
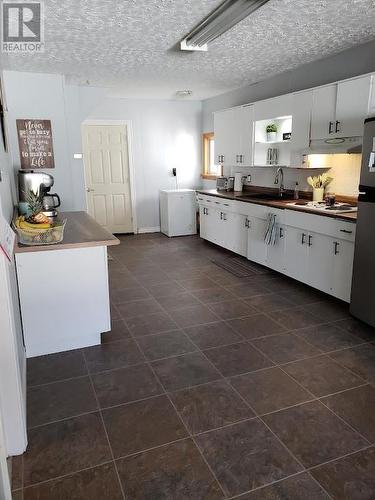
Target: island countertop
(81, 231)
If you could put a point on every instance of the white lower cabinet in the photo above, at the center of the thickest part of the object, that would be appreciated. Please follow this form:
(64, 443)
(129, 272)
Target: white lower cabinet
(318, 258)
(223, 227)
(256, 249)
(209, 224)
(319, 261)
(296, 253)
(234, 232)
(308, 248)
(276, 253)
(343, 253)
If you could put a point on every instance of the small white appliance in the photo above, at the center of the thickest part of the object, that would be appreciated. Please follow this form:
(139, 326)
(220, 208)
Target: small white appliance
(178, 212)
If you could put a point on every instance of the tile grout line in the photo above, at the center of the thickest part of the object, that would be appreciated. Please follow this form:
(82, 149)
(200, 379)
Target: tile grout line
(181, 419)
(255, 413)
(105, 430)
(317, 398)
(278, 365)
(29, 486)
(189, 434)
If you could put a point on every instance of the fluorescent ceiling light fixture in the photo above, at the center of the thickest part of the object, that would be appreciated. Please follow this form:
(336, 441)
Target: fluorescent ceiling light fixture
(222, 19)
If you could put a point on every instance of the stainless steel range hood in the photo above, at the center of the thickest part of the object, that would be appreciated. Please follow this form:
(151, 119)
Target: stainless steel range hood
(335, 145)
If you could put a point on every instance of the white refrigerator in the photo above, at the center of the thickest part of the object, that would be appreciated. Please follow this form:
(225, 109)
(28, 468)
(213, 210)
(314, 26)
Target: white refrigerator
(178, 212)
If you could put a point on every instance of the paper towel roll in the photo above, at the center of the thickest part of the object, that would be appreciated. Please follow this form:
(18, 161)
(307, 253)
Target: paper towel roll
(238, 184)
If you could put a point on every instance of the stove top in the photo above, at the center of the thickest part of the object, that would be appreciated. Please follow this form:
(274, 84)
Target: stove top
(320, 206)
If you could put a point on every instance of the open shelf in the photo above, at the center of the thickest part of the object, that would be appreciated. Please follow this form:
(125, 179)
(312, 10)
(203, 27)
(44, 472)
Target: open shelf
(261, 146)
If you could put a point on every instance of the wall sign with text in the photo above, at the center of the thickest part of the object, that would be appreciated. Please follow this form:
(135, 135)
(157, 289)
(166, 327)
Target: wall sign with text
(35, 144)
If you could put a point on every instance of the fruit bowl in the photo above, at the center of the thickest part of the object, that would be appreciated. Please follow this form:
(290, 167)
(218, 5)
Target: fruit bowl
(47, 236)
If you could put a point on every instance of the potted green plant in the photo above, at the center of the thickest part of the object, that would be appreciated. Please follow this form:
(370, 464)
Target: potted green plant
(271, 130)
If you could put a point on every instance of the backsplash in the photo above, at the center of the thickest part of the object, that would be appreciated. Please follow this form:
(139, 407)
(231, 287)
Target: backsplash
(345, 170)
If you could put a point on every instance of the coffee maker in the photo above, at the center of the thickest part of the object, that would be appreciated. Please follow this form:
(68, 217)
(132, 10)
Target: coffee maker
(38, 182)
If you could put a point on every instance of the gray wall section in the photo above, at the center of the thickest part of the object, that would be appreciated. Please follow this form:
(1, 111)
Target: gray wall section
(355, 61)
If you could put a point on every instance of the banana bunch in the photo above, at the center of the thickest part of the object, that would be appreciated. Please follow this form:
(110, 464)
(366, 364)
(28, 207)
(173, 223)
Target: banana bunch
(22, 223)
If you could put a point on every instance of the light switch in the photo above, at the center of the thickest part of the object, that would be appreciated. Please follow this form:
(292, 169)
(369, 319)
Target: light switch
(78, 156)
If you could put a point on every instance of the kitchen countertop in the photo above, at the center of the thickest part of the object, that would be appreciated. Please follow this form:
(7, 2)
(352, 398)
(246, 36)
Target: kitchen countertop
(283, 204)
(81, 231)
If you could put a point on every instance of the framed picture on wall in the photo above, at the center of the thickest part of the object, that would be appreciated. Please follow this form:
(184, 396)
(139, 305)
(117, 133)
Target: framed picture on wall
(35, 143)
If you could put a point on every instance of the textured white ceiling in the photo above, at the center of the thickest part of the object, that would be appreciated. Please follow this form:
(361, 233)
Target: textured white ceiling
(132, 45)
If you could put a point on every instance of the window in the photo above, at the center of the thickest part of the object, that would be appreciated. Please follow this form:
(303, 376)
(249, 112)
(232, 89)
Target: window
(210, 169)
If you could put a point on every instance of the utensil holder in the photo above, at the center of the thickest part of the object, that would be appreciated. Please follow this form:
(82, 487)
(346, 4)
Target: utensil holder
(318, 194)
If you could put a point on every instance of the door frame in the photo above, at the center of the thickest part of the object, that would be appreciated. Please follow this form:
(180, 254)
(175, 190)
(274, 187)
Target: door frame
(129, 131)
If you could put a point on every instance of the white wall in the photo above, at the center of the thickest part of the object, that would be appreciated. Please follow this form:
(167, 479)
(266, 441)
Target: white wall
(166, 134)
(345, 171)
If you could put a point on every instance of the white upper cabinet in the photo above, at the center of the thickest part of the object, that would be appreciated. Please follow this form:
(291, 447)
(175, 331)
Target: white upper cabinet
(225, 138)
(301, 113)
(233, 132)
(352, 107)
(323, 111)
(245, 129)
(339, 109)
(273, 108)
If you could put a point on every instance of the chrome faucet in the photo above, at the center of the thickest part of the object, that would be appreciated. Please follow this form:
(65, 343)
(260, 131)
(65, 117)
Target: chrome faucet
(279, 179)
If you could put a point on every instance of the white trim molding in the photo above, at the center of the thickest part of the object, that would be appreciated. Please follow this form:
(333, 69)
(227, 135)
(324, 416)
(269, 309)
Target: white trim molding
(143, 230)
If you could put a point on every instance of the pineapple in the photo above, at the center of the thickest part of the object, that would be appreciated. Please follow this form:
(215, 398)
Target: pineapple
(35, 202)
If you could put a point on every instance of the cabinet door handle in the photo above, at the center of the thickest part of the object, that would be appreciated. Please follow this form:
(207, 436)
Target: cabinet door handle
(223, 158)
(224, 216)
(303, 238)
(242, 158)
(338, 126)
(336, 246)
(346, 231)
(330, 129)
(221, 215)
(310, 240)
(281, 232)
(237, 158)
(247, 222)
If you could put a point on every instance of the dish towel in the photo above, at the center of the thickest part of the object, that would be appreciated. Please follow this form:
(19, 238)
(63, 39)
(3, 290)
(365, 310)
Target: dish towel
(270, 236)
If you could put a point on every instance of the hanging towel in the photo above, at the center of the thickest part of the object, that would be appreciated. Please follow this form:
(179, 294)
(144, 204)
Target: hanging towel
(270, 236)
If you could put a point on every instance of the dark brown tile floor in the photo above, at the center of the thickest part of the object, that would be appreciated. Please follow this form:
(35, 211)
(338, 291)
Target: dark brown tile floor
(208, 387)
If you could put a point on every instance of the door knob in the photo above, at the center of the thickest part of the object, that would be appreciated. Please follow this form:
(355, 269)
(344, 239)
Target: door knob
(89, 190)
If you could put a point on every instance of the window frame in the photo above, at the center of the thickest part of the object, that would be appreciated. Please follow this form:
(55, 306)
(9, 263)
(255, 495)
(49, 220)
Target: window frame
(206, 138)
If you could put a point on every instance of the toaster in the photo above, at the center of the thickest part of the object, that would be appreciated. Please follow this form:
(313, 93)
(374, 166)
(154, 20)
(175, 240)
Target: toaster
(221, 183)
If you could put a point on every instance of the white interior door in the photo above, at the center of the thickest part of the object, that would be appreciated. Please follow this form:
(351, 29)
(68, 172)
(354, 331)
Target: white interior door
(106, 159)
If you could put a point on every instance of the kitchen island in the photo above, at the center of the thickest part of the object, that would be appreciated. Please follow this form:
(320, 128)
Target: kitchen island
(63, 288)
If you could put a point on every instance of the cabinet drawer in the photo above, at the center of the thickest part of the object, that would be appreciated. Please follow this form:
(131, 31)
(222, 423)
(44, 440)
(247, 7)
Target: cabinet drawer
(345, 230)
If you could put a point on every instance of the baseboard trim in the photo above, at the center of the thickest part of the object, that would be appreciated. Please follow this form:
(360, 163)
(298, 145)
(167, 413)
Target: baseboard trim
(143, 230)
